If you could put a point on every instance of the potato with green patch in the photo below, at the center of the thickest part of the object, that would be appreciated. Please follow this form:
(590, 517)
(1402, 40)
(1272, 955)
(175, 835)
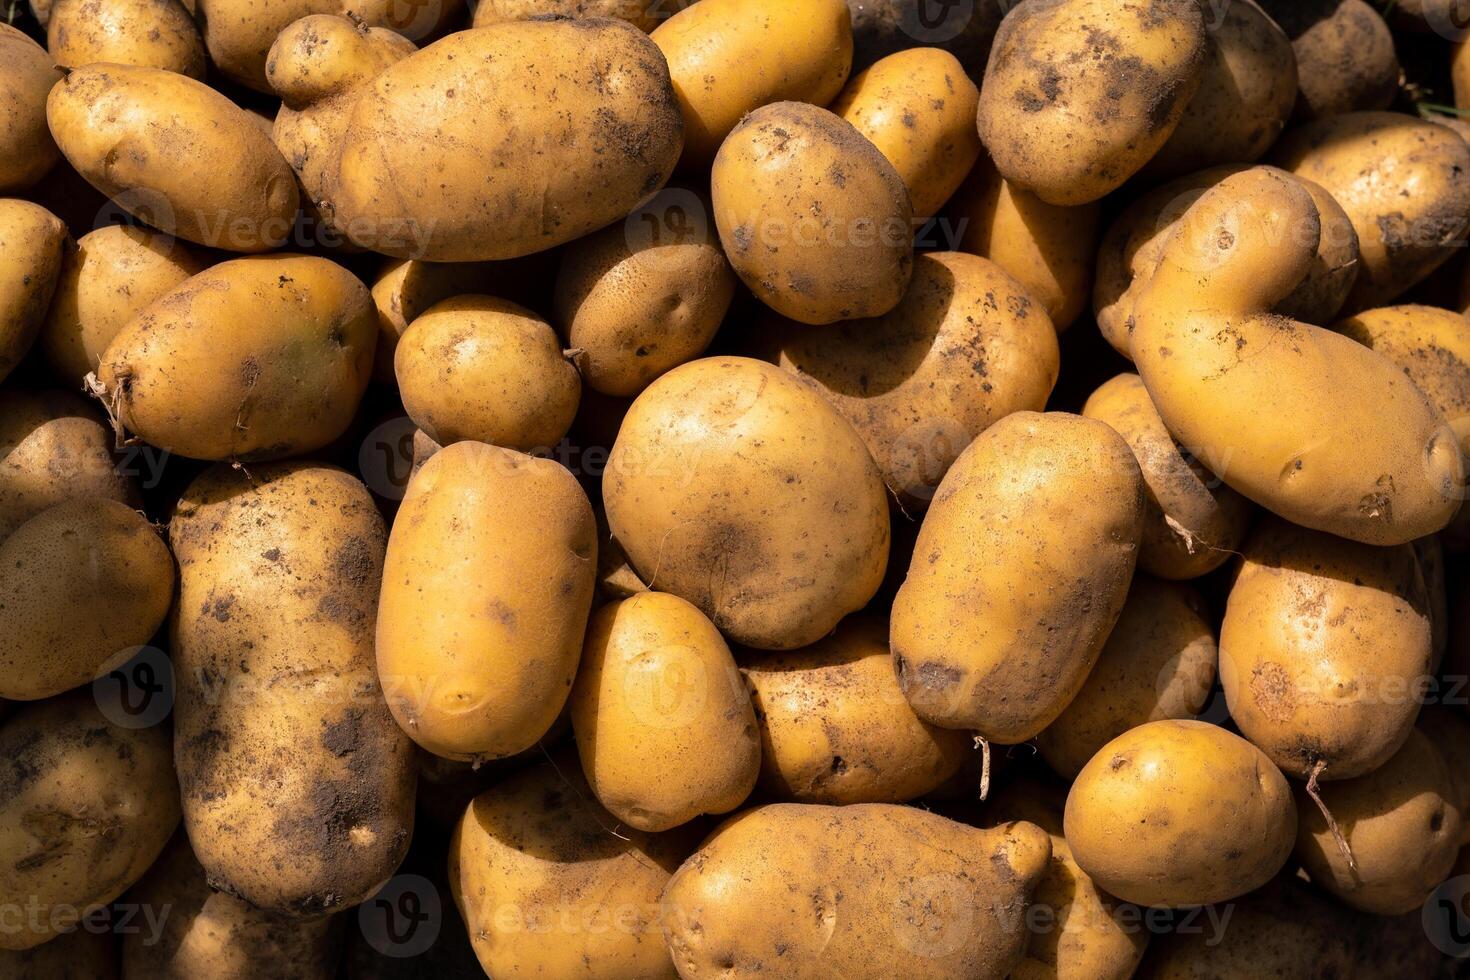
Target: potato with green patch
(147, 33)
(27, 73)
(33, 246)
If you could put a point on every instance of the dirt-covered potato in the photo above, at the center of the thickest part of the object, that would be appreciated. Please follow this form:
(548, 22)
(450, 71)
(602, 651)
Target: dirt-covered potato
(81, 954)
(1020, 571)
(1158, 663)
(298, 787)
(1122, 73)
(578, 115)
(884, 27)
(33, 246)
(812, 216)
(85, 807)
(1177, 813)
(865, 891)
(643, 14)
(656, 688)
(835, 727)
(738, 488)
(489, 578)
(1344, 55)
(27, 72)
(146, 33)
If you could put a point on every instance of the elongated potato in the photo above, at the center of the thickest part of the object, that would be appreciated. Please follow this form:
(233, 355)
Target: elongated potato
(27, 150)
(976, 648)
(33, 245)
(488, 582)
(298, 787)
(147, 33)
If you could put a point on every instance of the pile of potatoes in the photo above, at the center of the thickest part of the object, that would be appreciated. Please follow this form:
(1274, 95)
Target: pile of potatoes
(631, 489)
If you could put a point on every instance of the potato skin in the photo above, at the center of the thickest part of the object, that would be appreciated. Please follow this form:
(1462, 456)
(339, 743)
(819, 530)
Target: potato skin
(642, 14)
(85, 807)
(488, 583)
(835, 727)
(412, 180)
(298, 787)
(33, 244)
(864, 891)
(255, 358)
(656, 687)
(146, 33)
(1207, 816)
(721, 489)
(27, 149)
(1344, 55)
(1003, 614)
(813, 218)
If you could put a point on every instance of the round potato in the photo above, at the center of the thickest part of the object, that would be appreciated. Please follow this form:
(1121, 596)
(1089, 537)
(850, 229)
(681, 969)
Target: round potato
(657, 687)
(1345, 56)
(33, 246)
(489, 578)
(146, 33)
(884, 27)
(835, 727)
(27, 150)
(1207, 816)
(736, 487)
(814, 219)
(1020, 571)
(642, 14)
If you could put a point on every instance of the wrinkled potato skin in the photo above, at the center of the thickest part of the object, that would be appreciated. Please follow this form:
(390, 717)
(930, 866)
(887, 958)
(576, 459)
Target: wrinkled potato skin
(835, 727)
(731, 464)
(1194, 522)
(863, 891)
(33, 245)
(966, 347)
(642, 14)
(78, 955)
(279, 572)
(1319, 634)
(85, 807)
(1126, 82)
(27, 150)
(254, 358)
(1158, 663)
(809, 245)
(979, 644)
(146, 33)
(586, 148)
(884, 27)
(1151, 816)
(1345, 56)
(489, 578)
(657, 687)
(1401, 822)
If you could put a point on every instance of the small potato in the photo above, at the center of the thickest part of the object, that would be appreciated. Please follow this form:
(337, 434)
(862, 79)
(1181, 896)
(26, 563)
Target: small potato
(835, 727)
(918, 108)
(82, 954)
(1122, 72)
(489, 578)
(1344, 55)
(657, 687)
(642, 14)
(736, 487)
(1158, 663)
(27, 72)
(1208, 816)
(113, 275)
(33, 246)
(85, 807)
(255, 358)
(1195, 522)
(1020, 571)
(884, 27)
(814, 219)
(487, 370)
(865, 891)
(1401, 822)
(145, 33)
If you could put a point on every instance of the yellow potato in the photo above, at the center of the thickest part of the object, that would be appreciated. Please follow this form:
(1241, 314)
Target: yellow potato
(146, 33)
(27, 150)
(1344, 55)
(33, 244)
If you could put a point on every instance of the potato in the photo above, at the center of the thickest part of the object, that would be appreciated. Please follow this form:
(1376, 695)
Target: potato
(487, 586)
(254, 358)
(1020, 571)
(835, 727)
(480, 368)
(814, 219)
(1344, 55)
(1158, 663)
(113, 274)
(1123, 72)
(870, 890)
(1402, 823)
(1322, 649)
(644, 296)
(1368, 161)
(1381, 470)
(82, 954)
(146, 33)
(728, 58)
(736, 487)
(210, 934)
(1207, 816)
(966, 347)
(884, 27)
(1447, 727)
(642, 14)
(27, 73)
(85, 807)
(412, 179)
(657, 687)
(298, 788)
(33, 244)
(1194, 521)
(918, 108)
